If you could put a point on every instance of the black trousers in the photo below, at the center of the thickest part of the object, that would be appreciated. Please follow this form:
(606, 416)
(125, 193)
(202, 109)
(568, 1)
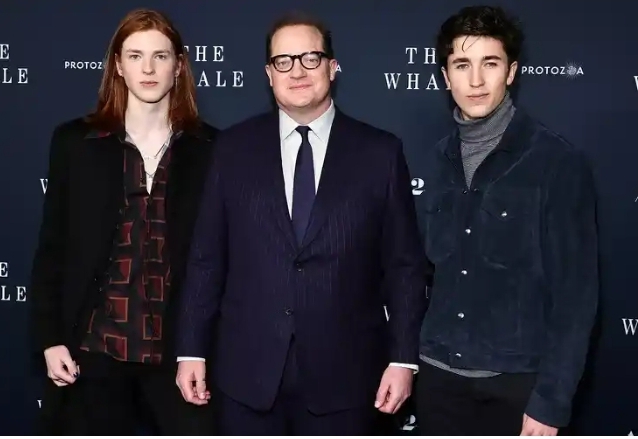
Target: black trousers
(449, 404)
(118, 398)
(290, 416)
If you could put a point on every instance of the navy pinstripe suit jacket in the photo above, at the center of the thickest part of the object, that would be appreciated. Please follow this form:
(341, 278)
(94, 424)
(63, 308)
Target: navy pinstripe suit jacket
(250, 287)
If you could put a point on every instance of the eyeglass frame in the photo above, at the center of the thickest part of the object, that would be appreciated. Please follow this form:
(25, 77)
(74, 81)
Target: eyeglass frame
(299, 57)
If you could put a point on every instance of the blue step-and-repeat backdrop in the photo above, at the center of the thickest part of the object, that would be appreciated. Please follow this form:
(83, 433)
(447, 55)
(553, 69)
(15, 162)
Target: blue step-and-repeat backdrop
(579, 76)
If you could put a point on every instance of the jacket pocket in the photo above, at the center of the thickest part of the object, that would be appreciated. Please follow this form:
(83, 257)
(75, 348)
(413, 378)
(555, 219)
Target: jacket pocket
(438, 217)
(510, 223)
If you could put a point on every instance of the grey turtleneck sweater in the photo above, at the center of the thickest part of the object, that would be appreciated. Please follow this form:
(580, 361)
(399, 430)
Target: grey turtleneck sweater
(478, 138)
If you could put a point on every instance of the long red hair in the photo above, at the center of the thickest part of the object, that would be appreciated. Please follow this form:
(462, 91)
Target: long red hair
(113, 93)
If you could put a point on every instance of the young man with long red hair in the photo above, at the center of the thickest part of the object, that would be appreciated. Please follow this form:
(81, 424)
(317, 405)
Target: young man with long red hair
(123, 194)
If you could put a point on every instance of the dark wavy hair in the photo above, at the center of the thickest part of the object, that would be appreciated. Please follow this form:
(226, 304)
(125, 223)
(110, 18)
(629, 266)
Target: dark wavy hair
(480, 21)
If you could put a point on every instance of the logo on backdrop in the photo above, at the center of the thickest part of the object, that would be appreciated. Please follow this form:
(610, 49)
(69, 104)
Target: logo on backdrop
(44, 183)
(570, 70)
(199, 56)
(409, 423)
(630, 326)
(10, 73)
(423, 72)
(8, 292)
(636, 81)
(417, 186)
(218, 77)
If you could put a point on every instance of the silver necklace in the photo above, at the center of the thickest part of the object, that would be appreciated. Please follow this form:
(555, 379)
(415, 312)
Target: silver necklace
(159, 153)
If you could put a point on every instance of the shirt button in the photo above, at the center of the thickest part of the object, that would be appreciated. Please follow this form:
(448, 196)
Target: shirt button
(463, 272)
(461, 315)
(465, 191)
(468, 231)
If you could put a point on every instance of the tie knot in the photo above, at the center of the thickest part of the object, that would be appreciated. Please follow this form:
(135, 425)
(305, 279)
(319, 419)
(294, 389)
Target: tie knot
(303, 130)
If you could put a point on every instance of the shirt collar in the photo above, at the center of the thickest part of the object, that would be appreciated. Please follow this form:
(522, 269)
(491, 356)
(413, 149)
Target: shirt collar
(320, 126)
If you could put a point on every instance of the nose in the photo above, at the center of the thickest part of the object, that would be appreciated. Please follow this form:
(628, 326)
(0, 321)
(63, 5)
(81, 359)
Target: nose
(148, 67)
(297, 70)
(476, 77)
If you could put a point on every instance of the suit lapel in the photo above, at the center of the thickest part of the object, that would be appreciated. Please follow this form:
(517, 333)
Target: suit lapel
(109, 165)
(105, 175)
(274, 178)
(182, 152)
(333, 178)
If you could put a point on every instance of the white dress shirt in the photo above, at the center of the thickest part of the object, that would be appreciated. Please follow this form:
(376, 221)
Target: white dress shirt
(290, 144)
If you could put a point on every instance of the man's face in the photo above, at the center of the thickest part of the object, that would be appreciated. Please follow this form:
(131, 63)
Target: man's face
(148, 65)
(301, 88)
(478, 75)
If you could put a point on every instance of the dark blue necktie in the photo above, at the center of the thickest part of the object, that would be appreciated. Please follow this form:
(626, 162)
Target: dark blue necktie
(303, 189)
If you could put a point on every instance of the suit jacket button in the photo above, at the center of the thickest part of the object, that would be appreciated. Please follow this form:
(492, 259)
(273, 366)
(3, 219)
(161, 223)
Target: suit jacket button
(288, 312)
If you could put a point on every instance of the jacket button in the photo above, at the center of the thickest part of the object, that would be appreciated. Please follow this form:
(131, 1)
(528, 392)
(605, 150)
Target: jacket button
(288, 312)
(458, 355)
(298, 266)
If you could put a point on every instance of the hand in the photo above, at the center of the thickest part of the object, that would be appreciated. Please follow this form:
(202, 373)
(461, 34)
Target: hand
(395, 388)
(531, 427)
(191, 380)
(60, 366)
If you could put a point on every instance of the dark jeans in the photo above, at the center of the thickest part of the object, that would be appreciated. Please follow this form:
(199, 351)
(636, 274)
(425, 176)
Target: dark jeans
(451, 405)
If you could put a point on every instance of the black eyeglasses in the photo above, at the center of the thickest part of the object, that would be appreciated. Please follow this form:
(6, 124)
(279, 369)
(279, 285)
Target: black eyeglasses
(309, 60)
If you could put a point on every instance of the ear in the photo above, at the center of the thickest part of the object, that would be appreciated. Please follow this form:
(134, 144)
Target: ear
(118, 64)
(445, 76)
(269, 73)
(334, 65)
(179, 65)
(512, 73)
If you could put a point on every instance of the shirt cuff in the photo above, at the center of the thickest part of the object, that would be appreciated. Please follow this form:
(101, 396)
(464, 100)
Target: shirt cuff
(190, 359)
(414, 367)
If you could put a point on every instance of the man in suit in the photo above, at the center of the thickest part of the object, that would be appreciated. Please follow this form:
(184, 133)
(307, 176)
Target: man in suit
(124, 186)
(307, 228)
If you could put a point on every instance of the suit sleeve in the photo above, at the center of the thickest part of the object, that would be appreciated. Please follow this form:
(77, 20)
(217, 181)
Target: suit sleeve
(570, 254)
(206, 268)
(47, 272)
(404, 264)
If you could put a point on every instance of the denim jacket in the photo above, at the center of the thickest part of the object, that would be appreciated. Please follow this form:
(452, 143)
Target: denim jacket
(515, 285)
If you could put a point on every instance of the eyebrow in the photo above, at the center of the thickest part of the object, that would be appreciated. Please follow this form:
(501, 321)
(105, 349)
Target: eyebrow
(154, 52)
(485, 58)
